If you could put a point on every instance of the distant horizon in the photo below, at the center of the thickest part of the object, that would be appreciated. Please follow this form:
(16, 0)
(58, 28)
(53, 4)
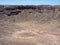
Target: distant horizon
(27, 5)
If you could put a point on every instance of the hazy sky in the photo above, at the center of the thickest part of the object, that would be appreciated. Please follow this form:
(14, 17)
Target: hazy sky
(29, 2)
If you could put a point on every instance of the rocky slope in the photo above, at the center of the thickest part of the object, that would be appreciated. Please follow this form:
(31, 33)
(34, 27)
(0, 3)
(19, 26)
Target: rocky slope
(29, 25)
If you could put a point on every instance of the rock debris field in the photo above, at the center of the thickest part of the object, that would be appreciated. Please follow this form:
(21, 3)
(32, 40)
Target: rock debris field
(29, 25)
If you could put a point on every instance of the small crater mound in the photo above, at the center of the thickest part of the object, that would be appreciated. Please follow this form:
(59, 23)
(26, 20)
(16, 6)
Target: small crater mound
(24, 34)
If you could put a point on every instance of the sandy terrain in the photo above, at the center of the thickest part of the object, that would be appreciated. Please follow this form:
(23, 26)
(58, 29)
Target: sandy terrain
(29, 29)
